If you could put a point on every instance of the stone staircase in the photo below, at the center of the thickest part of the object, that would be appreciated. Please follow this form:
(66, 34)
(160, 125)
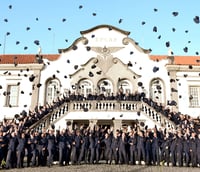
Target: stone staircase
(102, 106)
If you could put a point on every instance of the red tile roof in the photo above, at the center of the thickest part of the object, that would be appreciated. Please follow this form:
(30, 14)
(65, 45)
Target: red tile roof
(25, 58)
(30, 58)
(179, 60)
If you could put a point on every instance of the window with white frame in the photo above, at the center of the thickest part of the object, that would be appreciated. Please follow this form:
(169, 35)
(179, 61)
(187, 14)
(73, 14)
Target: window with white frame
(157, 90)
(105, 87)
(85, 87)
(125, 86)
(52, 90)
(194, 96)
(12, 95)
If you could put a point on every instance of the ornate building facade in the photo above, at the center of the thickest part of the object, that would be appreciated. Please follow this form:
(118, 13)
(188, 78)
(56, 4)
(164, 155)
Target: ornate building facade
(103, 61)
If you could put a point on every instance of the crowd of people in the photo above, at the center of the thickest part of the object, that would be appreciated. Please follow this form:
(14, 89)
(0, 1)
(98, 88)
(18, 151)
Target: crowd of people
(132, 145)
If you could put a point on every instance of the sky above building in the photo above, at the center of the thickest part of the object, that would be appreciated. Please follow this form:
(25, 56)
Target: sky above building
(55, 24)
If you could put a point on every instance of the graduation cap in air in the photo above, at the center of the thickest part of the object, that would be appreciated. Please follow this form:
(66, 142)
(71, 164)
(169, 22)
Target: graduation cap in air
(120, 20)
(130, 64)
(143, 23)
(10, 6)
(105, 82)
(172, 80)
(155, 69)
(39, 85)
(68, 61)
(174, 90)
(175, 13)
(158, 87)
(63, 20)
(155, 29)
(6, 20)
(80, 6)
(37, 42)
(190, 66)
(1, 87)
(91, 74)
(75, 67)
(93, 66)
(22, 92)
(196, 19)
(88, 48)
(140, 84)
(167, 44)
(28, 28)
(94, 14)
(173, 29)
(31, 78)
(155, 9)
(98, 72)
(185, 49)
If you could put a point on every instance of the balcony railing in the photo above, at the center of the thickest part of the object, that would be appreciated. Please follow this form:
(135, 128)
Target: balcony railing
(92, 106)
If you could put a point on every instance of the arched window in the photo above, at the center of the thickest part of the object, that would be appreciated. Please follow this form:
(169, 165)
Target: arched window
(52, 90)
(157, 90)
(125, 86)
(105, 87)
(85, 87)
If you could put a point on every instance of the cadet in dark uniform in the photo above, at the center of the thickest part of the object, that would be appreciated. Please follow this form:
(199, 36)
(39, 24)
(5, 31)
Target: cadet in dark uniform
(148, 148)
(179, 149)
(50, 147)
(76, 145)
(193, 149)
(107, 142)
(42, 149)
(173, 150)
(140, 147)
(166, 149)
(22, 143)
(156, 149)
(84, 148)
(11, 155)
(198, 150)
(62, 147)
(32, 151)
(92, 147)
(122, 149)
(115, 148)
(186, 150)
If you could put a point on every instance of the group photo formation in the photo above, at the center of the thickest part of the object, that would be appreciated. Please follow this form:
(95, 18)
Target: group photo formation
(99, 85)
(133, 145)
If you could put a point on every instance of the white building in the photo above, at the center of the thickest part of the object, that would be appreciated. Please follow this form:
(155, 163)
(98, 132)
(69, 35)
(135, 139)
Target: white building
(103, 54)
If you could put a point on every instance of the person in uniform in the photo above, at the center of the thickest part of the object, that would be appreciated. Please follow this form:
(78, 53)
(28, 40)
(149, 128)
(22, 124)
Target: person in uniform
(51, 140)
(42, 149)
(22, 143)
(11, 154)
(123, 159)
(193, 149)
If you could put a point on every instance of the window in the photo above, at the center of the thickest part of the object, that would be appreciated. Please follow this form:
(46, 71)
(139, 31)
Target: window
(52, 90)
(12, 95)
(105, 87)
(125, 86)
(85, 87)
(157, 90)
(194, 96)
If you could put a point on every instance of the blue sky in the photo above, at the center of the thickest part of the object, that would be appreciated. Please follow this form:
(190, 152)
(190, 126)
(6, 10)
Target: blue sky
(18, 23)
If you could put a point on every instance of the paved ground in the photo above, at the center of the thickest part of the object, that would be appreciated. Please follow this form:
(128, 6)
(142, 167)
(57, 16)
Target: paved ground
(106, 168)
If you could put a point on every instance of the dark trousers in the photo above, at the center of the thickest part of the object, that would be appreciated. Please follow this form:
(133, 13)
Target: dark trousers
(20, 158)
